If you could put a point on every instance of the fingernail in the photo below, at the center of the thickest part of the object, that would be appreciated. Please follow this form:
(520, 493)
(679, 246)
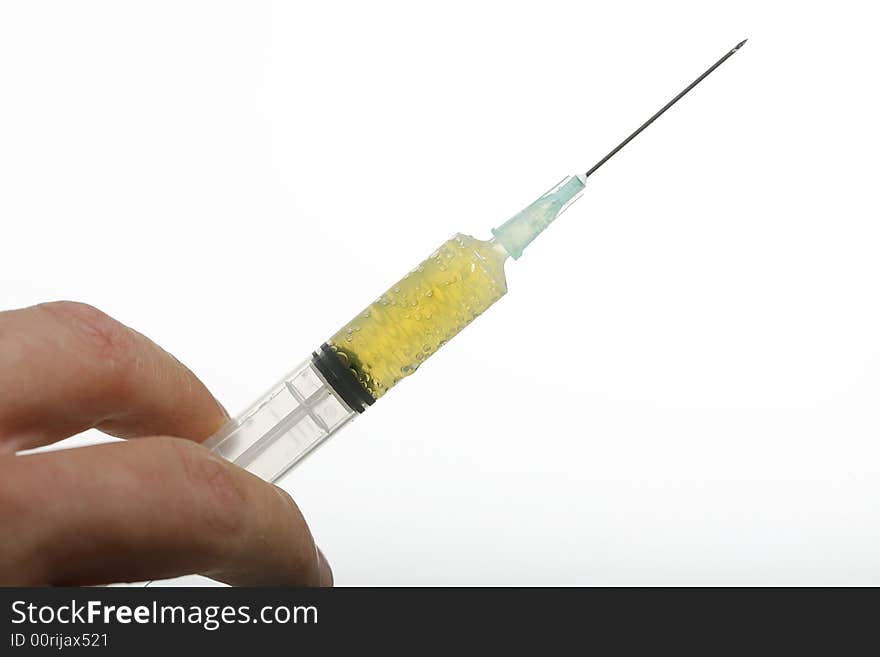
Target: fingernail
(222, 408)
(324, 571)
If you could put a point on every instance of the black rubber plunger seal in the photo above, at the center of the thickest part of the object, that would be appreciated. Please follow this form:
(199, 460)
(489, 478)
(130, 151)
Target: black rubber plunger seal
(341, 378)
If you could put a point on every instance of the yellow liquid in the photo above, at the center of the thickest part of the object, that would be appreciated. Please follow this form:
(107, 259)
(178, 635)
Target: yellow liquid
(421, 312)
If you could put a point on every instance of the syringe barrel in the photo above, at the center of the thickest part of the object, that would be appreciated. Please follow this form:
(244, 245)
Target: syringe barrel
(283, 426)
(384, 343)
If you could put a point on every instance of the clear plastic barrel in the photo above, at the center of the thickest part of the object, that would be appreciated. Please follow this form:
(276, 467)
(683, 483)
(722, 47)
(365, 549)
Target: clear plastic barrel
(282, 427)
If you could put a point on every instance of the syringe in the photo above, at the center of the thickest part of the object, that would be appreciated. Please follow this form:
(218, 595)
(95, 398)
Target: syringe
(394, 335)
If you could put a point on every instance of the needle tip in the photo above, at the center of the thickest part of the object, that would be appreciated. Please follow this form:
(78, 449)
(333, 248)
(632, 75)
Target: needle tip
(740, 44)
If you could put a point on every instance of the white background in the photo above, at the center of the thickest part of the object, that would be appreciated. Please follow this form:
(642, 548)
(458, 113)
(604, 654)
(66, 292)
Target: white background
(683, 384)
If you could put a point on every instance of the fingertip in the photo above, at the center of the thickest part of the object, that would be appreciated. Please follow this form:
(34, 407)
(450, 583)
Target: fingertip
(223, 412)
(324, 571)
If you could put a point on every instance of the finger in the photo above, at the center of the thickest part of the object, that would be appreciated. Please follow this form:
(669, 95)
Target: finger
(66, 367)
(148, 509)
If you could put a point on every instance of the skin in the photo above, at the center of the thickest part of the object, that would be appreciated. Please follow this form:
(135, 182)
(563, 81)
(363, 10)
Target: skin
(156, 506)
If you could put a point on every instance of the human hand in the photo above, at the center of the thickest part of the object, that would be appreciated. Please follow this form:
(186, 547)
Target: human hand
(150, 508)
